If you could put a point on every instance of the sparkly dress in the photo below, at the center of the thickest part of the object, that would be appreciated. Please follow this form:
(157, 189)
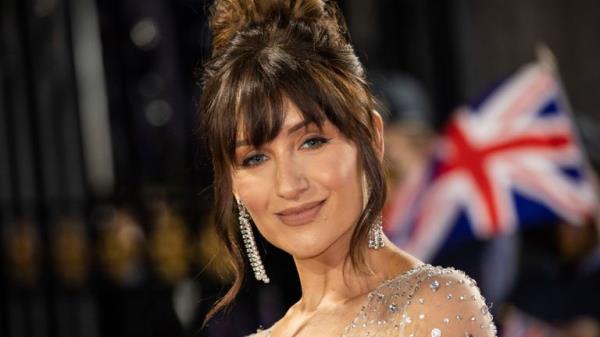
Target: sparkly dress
(425, 301)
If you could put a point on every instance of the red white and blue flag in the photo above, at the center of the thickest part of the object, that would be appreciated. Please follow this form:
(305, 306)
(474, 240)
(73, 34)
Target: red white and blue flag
(510, 160)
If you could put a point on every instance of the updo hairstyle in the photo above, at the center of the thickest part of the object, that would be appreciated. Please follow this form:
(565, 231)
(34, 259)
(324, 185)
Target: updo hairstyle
(266, 52)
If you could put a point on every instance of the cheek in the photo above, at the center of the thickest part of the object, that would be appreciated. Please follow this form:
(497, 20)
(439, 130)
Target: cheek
(253, 191)
(337, 173)
(257, 192)
(337, 170)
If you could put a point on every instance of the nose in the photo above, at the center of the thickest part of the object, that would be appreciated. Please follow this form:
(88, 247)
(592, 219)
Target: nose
(291, 180)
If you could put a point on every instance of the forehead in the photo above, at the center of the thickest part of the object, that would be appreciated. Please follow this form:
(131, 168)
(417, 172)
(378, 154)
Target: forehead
(292, 115)
(293, 120)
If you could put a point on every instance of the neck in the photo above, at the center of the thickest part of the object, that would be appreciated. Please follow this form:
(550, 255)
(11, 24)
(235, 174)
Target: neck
(330, 278)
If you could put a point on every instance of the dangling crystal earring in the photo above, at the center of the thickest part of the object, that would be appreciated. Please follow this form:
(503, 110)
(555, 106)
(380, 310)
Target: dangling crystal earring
(246, 229)
(376, 234)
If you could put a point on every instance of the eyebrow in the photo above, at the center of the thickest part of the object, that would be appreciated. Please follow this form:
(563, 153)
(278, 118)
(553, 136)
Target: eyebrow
(290, 130)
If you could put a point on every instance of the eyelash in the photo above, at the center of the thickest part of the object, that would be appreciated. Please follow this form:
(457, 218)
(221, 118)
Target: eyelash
(322, 141)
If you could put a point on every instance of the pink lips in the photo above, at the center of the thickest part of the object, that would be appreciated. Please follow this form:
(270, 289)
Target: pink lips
(301, 215)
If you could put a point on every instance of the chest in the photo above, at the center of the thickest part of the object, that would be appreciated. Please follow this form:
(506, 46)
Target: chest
(324, 323)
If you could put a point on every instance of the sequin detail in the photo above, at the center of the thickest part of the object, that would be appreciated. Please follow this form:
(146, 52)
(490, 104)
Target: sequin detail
(418, 295)
(424, 298)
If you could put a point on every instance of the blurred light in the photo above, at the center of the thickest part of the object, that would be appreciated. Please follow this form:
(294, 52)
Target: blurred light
(145, 34)
(93, 98)
(158, 112)
(185, 297)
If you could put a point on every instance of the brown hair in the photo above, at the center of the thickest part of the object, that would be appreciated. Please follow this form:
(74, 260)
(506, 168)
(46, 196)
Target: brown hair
(264, 53)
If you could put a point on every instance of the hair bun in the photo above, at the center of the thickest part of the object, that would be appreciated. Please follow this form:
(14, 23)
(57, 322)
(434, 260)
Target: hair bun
(228, 17)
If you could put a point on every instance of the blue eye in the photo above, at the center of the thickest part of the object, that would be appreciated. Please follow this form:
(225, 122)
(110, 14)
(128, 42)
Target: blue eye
(253, 160)
(315, 142)
(257, 159)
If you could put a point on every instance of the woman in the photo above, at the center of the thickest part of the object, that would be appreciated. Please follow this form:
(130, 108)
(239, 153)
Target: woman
(297, 150)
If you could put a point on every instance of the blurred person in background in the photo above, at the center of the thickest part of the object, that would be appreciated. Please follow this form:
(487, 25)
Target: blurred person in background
(555, 287)
(408, 133)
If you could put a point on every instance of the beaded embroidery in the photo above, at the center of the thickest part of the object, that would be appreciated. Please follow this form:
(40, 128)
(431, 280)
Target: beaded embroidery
(421, 302)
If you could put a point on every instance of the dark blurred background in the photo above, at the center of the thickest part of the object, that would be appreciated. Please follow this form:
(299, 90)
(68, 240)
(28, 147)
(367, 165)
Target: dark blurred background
(105, 192)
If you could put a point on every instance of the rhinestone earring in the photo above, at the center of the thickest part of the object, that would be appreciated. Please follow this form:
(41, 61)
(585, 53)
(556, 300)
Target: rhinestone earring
(250, 243)
(376, 234)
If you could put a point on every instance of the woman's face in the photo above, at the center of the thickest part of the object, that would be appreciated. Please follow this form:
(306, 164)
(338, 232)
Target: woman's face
(303, 189)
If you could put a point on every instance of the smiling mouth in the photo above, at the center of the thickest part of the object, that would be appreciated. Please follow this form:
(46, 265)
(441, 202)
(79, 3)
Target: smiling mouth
(302, 217)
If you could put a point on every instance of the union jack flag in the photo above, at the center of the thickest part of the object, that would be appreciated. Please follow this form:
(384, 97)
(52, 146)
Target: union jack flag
(506, 161)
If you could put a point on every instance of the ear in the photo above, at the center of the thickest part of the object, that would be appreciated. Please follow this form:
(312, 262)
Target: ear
(379, 137)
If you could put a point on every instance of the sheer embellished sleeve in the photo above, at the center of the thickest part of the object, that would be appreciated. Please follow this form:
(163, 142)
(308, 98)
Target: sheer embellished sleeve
(426, 301)
(448, 303)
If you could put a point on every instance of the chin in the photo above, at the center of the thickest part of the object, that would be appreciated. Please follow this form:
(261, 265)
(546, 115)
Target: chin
(312, 240)
(307, 249)
(303, 251)
(306, 254)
